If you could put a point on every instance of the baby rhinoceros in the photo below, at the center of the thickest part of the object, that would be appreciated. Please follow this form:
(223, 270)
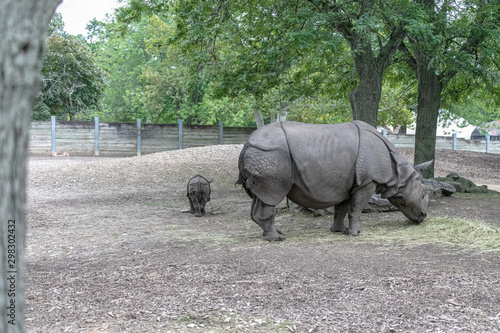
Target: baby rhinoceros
(198, 192)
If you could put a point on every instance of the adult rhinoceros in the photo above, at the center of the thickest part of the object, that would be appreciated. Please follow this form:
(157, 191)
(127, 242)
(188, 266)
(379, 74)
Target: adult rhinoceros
(319, 166)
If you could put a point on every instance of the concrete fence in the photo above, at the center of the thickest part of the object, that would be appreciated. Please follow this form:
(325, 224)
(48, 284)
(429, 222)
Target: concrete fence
(131, 139)
(126, 139)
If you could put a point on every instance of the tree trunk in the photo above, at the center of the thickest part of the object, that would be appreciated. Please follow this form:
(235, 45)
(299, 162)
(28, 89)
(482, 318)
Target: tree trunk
(429, 97)
(370, 68)
(23, 24)
(365, 98)
(259, 120)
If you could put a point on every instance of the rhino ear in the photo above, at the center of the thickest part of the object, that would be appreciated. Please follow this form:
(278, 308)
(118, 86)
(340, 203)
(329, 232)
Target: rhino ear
(422, 166)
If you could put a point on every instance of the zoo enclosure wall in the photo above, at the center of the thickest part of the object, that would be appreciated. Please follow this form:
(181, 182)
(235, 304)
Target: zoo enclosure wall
(131, 139)
(126, 139)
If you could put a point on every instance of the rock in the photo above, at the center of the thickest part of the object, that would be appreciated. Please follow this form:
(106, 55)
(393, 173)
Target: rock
(379, 204)
(458, 187)
(463, 184)
(453, 176)
(438, 188)
(477, 189)
(466, 183)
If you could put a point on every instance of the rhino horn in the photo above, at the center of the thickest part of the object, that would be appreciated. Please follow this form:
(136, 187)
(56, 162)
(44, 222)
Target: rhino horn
(422, 166)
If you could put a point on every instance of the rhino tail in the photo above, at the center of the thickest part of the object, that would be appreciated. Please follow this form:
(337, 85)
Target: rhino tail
(239, 181)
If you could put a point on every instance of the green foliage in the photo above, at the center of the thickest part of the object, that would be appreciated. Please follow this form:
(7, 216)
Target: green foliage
(276, 58)
(320, 111)
(124, 58)
(174, 91)
(149, 79)
(281, 57)
(56, 26)
(398, 103)
(460, 39)
(72, 83)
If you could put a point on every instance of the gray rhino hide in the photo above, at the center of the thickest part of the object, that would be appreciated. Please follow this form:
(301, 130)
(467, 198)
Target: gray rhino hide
(325, 162)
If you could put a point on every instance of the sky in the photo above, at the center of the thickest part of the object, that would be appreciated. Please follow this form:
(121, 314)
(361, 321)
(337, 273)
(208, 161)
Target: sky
(77, 13)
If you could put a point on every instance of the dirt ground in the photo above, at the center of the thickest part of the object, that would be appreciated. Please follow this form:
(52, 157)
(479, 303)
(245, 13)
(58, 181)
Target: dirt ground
(110, 250)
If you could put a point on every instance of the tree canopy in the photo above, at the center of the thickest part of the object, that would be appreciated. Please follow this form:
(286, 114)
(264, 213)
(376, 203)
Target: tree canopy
(72, 81)
(387, 62)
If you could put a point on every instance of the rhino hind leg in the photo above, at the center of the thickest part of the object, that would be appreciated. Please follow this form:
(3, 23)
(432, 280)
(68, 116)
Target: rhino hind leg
(360, 199)
(338, 218)
(263, 215)
(191, 210)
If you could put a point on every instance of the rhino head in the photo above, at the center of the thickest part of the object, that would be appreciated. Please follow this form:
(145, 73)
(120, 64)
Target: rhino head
(412, 199)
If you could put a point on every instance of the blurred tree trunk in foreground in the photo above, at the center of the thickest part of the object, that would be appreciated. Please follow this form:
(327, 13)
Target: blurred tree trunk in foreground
(23, 24)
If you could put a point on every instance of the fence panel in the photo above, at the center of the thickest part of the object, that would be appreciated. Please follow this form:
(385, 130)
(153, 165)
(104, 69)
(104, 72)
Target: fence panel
(199, 136)
(40, 138)
(236, 135)
(117, 139)
(159, 137)
(76, 137)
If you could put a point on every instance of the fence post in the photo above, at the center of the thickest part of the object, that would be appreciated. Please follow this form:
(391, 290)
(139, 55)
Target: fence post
(487, 143)
(139, 143)
(454, 141)
(180, 133)
(384, 132)
(221, 128)
(53, 133)
(96, 135)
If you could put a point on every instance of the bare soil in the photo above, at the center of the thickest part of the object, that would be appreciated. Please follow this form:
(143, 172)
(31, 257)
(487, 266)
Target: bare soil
(109, 250)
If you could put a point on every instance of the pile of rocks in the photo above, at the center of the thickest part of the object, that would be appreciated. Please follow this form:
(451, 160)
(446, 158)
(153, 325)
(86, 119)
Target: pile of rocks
(452, 183)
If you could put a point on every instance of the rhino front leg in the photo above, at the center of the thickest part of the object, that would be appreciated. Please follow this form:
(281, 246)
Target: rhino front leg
(338, 217)
(263, 215)
(359, 200)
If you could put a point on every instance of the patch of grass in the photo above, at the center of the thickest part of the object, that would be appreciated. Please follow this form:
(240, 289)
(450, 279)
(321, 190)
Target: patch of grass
(468, 234)
(443, 230)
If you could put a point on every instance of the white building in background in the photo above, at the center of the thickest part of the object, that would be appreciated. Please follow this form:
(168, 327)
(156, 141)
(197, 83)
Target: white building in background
(455, 126)
(492, 129)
